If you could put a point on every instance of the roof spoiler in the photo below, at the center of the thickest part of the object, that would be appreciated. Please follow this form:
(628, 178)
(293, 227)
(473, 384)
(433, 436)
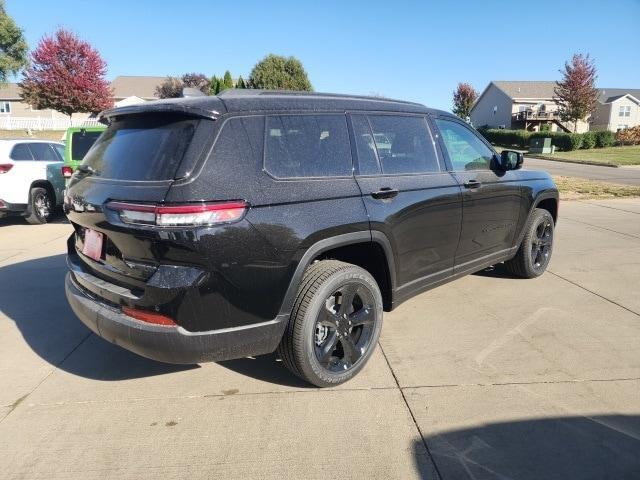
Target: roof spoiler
(168, 107)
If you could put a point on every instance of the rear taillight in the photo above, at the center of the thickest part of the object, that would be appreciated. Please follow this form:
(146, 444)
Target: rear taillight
(5, 167)
(67, 171)
(180, 215)
(149, 317)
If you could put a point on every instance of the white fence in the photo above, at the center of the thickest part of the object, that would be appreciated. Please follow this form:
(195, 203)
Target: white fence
(27, 123)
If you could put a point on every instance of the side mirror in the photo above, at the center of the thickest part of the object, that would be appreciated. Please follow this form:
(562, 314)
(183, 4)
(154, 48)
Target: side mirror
(511, 160)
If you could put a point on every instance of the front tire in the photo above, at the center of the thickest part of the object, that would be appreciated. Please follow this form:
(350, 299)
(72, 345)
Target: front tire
(335, 324)
(534, 253)
(40, 206)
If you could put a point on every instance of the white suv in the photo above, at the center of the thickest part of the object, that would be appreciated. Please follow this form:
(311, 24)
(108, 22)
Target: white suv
(31, 182)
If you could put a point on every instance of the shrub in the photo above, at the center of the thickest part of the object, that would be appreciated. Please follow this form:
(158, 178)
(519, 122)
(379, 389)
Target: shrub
(588, 140)
(604, 138)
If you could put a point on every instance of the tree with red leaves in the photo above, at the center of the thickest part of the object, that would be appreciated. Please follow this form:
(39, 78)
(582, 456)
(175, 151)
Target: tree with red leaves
(66, 74)
(463, 99)
(576, 94)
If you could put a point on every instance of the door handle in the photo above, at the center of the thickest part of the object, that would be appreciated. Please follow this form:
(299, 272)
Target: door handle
(385, 193)
(471, 184)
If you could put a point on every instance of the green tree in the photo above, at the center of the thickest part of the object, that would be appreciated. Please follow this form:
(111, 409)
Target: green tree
(13, 46)
(227, 81)
(275, 72)
(213, 85)
(240, 83)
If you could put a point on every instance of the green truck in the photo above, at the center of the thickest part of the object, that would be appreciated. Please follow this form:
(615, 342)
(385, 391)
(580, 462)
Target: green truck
(77, 143)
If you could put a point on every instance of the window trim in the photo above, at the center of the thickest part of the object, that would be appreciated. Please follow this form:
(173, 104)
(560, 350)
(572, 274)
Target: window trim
(624, 111)
(297, 179)
(8, 110)
(441, 163)
(443, 147)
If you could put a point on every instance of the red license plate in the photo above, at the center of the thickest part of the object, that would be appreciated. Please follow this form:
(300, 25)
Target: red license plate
(92, 247)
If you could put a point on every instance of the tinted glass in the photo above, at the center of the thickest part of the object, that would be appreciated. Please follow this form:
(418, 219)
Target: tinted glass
(466, 150)
(21, 152)
(307, 146)
(367, 157)
(59, 149)
(141, 147)
(81, 142)
(43, 152)
(403, 144)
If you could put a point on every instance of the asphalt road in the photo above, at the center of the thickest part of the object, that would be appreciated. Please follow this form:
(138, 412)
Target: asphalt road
(486, 377)
(622, 175)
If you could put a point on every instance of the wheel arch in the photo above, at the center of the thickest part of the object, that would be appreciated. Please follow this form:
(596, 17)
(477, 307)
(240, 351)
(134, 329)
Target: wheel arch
(351, 248)
(548, 200)
(46, 184)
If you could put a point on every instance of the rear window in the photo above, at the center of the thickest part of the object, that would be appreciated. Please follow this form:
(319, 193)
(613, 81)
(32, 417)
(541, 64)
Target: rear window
(307, 146)
(81, 142)
(141, 147)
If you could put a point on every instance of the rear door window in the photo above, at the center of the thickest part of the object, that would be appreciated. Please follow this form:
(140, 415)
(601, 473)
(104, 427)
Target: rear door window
(403, 144)
(81, 142)
(141, 147)
(20, 151)
(43, 152)
(307, 146)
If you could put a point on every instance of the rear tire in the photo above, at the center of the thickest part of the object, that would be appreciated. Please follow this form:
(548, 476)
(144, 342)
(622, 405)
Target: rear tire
(334, 325)
(534, 253)
(40, 206)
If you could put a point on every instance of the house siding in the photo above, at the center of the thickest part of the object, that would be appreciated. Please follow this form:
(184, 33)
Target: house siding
(482, 112)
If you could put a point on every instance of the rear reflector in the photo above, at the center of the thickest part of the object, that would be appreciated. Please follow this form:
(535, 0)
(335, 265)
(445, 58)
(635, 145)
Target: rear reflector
(5, 167)
(180, 215)
(67, 171)
(148, 317)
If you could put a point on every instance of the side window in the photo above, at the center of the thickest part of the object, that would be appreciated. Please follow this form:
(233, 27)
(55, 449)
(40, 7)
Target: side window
(367, 157)
(59, 149)
(465, 149)
(43, 152)
(307, 146)
(403, 144)
(20, 151)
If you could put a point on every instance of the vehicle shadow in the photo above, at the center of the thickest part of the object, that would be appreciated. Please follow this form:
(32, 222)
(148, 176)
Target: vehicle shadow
(268, 368)
(589, 447)
(32, 295)
(56, 217)
(497, 271)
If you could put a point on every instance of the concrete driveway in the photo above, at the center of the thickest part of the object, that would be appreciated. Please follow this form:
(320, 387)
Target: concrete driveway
(487, 377)
(629, 175)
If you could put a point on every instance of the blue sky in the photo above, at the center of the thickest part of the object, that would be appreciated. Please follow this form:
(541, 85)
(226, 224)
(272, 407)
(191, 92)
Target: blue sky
(413, 50)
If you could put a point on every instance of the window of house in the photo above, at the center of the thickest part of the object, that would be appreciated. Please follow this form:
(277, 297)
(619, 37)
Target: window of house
(625, 111)
(307, 146)
(466, 151)
(5, 107)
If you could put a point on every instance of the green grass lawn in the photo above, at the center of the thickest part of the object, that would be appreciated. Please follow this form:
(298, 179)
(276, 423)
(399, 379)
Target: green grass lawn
(629, 155)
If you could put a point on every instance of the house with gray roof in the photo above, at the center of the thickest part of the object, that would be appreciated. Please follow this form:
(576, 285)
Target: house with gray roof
(530, 105)
(16, 114)
(617, 109)
(527, 105)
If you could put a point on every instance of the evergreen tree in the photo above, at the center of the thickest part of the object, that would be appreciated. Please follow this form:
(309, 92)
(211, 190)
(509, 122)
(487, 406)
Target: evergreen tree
(240, 83)
(227, 80)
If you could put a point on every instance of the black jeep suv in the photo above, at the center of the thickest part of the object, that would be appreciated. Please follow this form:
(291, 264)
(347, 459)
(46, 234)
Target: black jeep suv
(221, 227)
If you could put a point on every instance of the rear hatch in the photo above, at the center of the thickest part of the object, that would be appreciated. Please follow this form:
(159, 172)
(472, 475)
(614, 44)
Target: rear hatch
(136, 161)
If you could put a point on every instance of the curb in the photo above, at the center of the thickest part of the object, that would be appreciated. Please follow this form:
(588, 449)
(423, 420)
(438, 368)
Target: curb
(579, 162)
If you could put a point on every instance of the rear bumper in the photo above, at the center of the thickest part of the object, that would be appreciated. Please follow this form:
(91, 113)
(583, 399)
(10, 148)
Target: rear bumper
(172, 344)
